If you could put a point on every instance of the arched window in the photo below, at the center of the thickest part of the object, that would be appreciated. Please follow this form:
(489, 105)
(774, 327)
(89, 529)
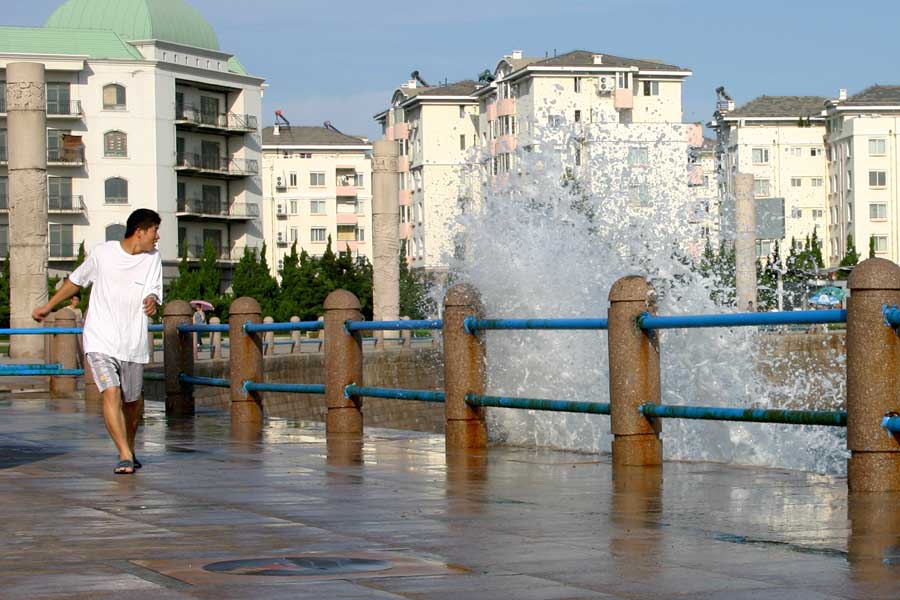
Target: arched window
(115, 233)
(113, 97)
(115, 144)
(116, 191)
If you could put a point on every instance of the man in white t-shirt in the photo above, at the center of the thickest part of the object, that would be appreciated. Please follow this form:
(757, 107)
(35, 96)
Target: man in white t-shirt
(127, 287)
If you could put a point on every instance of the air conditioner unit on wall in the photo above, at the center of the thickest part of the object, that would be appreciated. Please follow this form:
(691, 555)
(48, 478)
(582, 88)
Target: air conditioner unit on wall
(280, 237)
(606, 84)
(279, 182)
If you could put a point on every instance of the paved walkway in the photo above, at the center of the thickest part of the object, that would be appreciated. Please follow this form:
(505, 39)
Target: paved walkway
(290, 516)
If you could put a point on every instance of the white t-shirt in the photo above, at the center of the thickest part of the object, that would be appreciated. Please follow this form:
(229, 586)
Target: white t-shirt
(116, 324)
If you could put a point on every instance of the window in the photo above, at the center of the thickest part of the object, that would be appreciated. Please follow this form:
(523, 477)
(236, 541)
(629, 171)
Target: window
(116, 191)
(462, 142)
(577, 85)
(317, 207)
(294, 235)
(4, 191)
(4, 241)
(797, 213)
(115, 233)
(359, 180)
(881, 244)
(760, 156)
(816, 182)
(346, 233)
(61, 241)
(402, 177)
(815, 152)
(317, 179)
(640, 195)
(651, 88)
(817, 214)
(638, 156)
(113, 97)
(849, 180)
(292, 179)
(876, 147)
(59, 190)
(878, 211)
(761, 187)
(305, 155)
(317, 235)
(115, 144)
(877, 179)
(578, 116)
(795, 151)
(796, 182)
(294, 207)
(577, 156)
(58, 99)
(555, 120)
(622, 80)
(360, 235)
(849, 149)
(462, 112)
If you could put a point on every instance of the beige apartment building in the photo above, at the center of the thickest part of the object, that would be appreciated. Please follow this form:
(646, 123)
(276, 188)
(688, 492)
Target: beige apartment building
(780, 141)
(144, 110)
(316, 185)
(704, 189)
(436, 127)
(861, 133)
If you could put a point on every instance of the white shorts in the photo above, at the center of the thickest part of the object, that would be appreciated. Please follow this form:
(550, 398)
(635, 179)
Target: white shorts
(112, 372)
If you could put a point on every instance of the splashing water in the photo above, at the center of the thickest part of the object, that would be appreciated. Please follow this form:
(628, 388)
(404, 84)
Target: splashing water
(536, 247)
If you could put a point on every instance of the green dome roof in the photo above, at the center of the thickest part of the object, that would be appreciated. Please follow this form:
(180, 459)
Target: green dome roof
(167, 20)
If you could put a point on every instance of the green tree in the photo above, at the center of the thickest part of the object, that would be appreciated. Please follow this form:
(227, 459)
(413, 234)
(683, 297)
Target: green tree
(415, 287)
(871, 246)
(767, 280)
(201, 282)
(851, 259)
(252, 278)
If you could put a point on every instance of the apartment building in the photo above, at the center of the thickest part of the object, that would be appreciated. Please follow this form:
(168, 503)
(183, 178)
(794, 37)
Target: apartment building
(780, 141)
(704, 213)
(861, 133)
(437, 129)
(317, 183)
(144, 110)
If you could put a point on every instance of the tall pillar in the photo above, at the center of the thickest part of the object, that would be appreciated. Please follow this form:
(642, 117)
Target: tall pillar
(633, 374)
(26, 120)
(386, 232)
(873, 372)
(745, 243)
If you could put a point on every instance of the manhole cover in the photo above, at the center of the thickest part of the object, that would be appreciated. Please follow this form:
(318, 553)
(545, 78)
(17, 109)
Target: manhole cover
(298, 566)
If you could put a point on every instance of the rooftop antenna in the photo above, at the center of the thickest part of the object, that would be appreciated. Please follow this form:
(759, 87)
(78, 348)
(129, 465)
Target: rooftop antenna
(330, 127)
(415, 75)
(280, 120)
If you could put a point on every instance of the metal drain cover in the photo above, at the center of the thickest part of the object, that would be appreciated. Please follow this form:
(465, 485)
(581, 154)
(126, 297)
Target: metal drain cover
(294, 566)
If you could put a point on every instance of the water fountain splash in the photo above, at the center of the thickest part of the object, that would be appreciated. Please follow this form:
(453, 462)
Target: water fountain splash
(536, 247)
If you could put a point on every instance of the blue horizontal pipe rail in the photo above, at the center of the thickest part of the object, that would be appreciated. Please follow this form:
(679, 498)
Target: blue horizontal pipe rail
(298, 326)
(151, 376)
(394, 393)
(40, 372)
(213, 327)
(892, 316)
(13, 366)
(39, 330)
(471, 324)
(294, 388)
(393, 325)
(828, 418)
(155, 327)
(797, 317)
(573, 406)
(207, 381)
(891, 423)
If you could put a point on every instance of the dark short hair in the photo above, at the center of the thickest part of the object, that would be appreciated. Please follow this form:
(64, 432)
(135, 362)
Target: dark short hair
(142, 218)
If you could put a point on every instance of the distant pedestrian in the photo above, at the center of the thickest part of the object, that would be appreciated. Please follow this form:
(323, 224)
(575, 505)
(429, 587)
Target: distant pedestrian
(127, 287)
(199, 319)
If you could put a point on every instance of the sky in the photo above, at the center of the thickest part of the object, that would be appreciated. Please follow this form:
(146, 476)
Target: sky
(341, 61)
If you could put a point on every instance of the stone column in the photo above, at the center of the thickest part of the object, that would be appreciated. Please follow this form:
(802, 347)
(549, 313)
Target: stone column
(269, 338)
(295, 337)
(343, 364)
(245, 361)
(633, 374)
(464, 369)
(745, 243)
(215, 340)
(64, 350)
(873, 373)
(178, 357)
(386, 232)
(26, 108)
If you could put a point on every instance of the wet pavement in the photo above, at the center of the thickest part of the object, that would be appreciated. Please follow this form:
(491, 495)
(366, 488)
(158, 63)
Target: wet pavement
(393, 517)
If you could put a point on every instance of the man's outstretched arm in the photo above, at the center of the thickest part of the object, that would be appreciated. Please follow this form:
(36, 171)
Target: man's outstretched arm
(66, 291)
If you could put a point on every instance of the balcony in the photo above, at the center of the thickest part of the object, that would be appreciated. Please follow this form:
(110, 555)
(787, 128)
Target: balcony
(63, 252)
(346, 186)
(193, 163)
(191, 118)
(347, 218)
(55, 110)
(66, 157)
(223, 255)
(217, 210)
(66, 205)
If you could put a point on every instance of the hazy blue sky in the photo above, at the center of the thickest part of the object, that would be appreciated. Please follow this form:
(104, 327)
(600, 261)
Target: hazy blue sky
(341, 60)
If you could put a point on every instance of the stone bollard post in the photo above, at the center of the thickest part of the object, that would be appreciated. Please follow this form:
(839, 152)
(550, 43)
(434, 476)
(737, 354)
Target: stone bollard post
(215, 340)
(464, 369)
(64, 350)
(178, 357)
(245, 361)
(873, 377)
(633, 374)
(295, 337)
(269, 339)
(406, 336)
(343, 364)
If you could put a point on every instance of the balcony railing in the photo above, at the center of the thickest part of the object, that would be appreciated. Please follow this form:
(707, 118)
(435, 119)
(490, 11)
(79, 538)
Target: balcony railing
(70, 157)
(193, 116)
(64, 109)
(216, 165)
(217, 208)
(226, 255)
(63, 251)
(66, 204)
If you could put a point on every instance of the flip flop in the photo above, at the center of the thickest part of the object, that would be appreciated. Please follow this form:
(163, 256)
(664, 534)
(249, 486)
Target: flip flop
(137, 463)
(121, 467)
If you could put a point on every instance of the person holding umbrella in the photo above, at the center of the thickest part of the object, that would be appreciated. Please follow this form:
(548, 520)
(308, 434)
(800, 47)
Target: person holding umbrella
(199, 318)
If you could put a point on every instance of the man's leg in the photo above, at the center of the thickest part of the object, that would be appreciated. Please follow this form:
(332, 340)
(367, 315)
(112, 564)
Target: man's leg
(133, 413)
(114, 418)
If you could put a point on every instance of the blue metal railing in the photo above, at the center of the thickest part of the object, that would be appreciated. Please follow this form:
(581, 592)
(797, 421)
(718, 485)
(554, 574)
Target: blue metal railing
(209, 327)
(797, 317)
(596, 408)
(154, 327)
(14, 366)
(151, 376)
(296, 388)
(891, 423)
(891, 316)
(754, 415)
(40, 372)
(395, 393)
(471, 324)
(39, 330)
(298, 326)
(393, 325)
(207, 381)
